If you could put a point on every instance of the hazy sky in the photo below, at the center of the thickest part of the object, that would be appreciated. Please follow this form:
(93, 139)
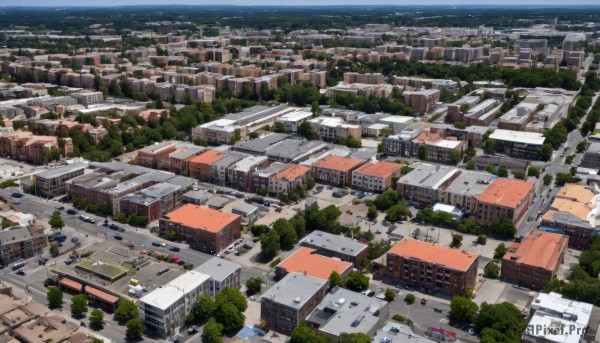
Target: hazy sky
(287, 2)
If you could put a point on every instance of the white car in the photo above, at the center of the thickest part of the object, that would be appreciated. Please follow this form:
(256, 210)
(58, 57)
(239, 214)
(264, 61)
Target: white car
(163, 244)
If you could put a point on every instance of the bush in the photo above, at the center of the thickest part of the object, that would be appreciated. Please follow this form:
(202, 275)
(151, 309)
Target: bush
(390, 295)
(410, 299)
(491, 270)
(456, 241)
(481, 239)
(500, 251)
(253, 285)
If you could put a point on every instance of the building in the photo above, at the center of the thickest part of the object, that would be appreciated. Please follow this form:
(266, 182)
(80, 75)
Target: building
(52, 182)
(200, 164)
(223, 273)
(306, 261)
(249, 213)
(21, 243)
(424, 183)
(591, 157)
(343, 248)
(335, 170)
(518, 144)
(215, 232)
(393, 330)
(367, 78)
(25, 146)
(165, 308)
(555, 319)
(294, 150)
(291, 121)
(288, 178)
(152, 202)
(464, 190)
(504, 198)
(376, 176)
(330, 129)
(345, 311)
(290, 301)
(421, 101)
(426, 265)
(86, 98)
(534, 260)
(436, 148)
(260, 145)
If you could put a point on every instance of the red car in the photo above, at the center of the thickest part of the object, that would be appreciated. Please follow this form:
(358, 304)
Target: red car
(423, 301)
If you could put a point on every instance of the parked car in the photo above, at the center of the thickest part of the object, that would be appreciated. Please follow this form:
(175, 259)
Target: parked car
(114, 226)
(368, 292)
(20, 272)
(71, 211)
(60, 208)
(193, 329)
(438, 310)
(74, 239)
(16, 195)
(163, 244)
(118, 238)
(176, 249)
(423, 301)
(156, 244)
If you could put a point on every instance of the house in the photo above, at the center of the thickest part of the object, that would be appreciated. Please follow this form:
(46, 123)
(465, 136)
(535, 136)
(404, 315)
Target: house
(200, 164)
(288, 178)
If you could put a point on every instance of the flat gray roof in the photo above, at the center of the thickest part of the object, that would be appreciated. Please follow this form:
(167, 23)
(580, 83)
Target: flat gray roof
(182, 181)
(291, 149)
(52, 173)
(331, 242)
(261, 144)
(12, 235)
(159, 190)
(229, 159)
(428, 175)
(219, 269)
(294, 290)
(593, 148)
(470, 183)
(396, 332)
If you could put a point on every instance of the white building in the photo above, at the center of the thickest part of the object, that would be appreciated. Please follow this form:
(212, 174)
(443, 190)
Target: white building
(164, 309)
(292, 120)
(222, 273)
(88, 97)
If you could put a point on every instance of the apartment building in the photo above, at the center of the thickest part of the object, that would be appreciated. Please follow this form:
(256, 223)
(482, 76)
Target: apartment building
(464, 190)
(240, 175)
(215, 232)
(290, 301)
(591, 157)
(152, 202)
(421, 101)
(504, 198)
(87, 98)
(294, 150)
(332, 128)
(291, 121)
(220, 170)
(534, 260)
(420, 265)
(288, 178)
(368, 78)
(518, 144)
(25, 146)
(223, 273)
(164, 309)
(335, 170)
(343, 248)
(305, 261)
(147, 157)
(91, 187)
(424, 184)
(260, 178)
(21, 243)
(438, 149)
(200, 164)
(52, 182)
(376, 176)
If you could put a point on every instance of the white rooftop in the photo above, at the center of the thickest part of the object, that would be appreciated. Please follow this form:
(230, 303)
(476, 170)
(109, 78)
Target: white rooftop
(170, 293)
(551, 329)
(555, 304)
(295, 116)
(518, 136)
(396, 119)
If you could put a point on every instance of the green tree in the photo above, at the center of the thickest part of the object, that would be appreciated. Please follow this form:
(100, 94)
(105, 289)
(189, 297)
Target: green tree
(287, 234)
(56, 220)
(259, 229)
(97, 319)
(305, 334)
(269, 244)
(212, 332)
(410, 299)
(398, 212)
(470, 165)
(563, 178)
(390, 295)
(372, 212)
(491, 270)
(456, 241)
(126, 310)
(546, 152)
(232, 296)
(505, 318)
(533, 171)
(386, 200)
(358, 337)
(356, 281)
(316, 109)
(581, 146)
(53, 249)
(462, 310)
(203, 309)
(455, 157)
(172, 235)
(335, 279)
(422, 153)
(481, 239)
(503, 227)
(134, 328)
(54, 296)
(500, 251)
(228, 315)
(547, 180)
(253, 285)
(79, 306)
(502, 171)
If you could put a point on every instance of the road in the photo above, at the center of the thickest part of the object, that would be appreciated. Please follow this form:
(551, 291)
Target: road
(545, 195)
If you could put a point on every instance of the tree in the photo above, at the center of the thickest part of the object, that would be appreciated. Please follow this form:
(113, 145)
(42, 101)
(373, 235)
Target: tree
(126, 310)
(502, 171)
(470, 165)
(398, 212)
(232, 296)
(97, 319)
(390, 295)
(172, 235)
(229, 316)
(456, 241)
(505, 318)
(581, 146)
(278, 127)
(422, 153)
(546, 152)
(305, 334)
(503, 227)
(356, 281)
(259, 229)
(335, 279)
(533, 171)
(386, 200)
(562, 178)
(79, 306)
(203, 309)
(56, 220)
(316, 109)
(54, 296)
(455, 157)
(253, 285)
(53, 249)
(481, 239)
(287, 234)
(547, 180)
(269, 244)
(519, 175)
(491, 270)
(372, 212)
(500, 251)
(134, 328)
(462, 310)
(410, 299)
(212, 332)
(357, 337)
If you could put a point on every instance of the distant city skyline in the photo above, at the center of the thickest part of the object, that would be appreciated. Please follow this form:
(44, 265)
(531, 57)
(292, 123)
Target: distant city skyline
(304, 3)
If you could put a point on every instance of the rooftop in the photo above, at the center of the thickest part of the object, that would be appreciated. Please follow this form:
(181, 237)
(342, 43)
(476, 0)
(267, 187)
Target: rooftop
(506, 192)
(380, 169)
(334, 162)
(165, 296)
(291, 149)
(262, 143)
(291, 172)
(218, 268)
(393, 331)
(429, 175)
(51, 173)
(331, 242)
(306, 261)
(554, 303)
(470, 183)
(437, 254)
(539, 249)
(211, 220)
(533, 138)
(207, 157)
(294, 290)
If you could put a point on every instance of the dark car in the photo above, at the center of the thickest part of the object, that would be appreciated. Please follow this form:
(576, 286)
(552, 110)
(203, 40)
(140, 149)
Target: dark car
(71, 211)
(20, 272)
(16, 195)
(114, 227)
(74, 239)
(119, 238)
(60, 208)
(437, 310)
(176, 249)
(156, 244)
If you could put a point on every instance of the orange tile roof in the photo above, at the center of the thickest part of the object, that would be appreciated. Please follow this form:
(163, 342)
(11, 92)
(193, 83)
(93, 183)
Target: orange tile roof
(380, 169)
(202, 218)
(427, 137)
(307, 261)
(101, 295)
(577, 209)
(539, 249)
(576, 192)
(291, 172)
(334, 162)
(207, 157)
(76, 286)
(437, 254)
(506, 192)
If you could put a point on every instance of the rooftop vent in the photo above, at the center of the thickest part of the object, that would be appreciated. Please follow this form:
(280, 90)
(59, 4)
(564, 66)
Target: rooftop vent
(298, 300)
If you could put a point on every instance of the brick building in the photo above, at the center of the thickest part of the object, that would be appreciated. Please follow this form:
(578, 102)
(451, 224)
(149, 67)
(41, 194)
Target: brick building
(200, 164)
(376, 176)
(335, 170)
(421, 101)
(306, 261)
(504, 198)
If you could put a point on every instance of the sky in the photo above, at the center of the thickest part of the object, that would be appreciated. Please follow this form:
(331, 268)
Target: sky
(285, 2)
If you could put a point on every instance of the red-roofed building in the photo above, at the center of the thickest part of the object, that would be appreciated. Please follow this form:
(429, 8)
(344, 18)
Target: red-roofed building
(504, 198)
(288, 178)
(200, 164)
(306, 261)
(205, 229)
(426, 265)
(376, 177)
(335, 170)
(534, 261)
